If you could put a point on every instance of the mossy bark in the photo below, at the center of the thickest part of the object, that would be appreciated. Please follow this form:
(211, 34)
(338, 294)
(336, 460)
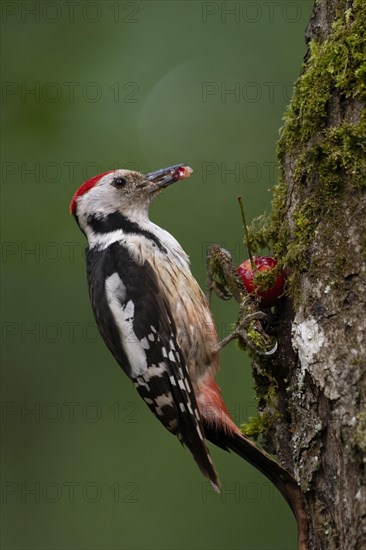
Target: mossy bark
(318, 230)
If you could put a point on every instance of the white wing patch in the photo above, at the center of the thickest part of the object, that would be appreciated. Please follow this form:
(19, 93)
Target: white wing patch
(164, 400)
(155, 370)
(144, 375)
(124, 317)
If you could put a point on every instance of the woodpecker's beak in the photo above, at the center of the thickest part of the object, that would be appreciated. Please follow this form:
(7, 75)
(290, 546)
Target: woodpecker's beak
(164, 177)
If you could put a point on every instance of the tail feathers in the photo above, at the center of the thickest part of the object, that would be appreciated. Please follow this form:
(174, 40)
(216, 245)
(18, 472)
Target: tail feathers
(284, 481)
(202, 457)
(261, 460)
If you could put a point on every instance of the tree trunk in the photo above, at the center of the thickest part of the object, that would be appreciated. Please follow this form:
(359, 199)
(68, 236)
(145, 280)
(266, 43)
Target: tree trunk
(318, 229)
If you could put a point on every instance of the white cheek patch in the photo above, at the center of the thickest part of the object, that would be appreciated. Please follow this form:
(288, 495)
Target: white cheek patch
(124, 317)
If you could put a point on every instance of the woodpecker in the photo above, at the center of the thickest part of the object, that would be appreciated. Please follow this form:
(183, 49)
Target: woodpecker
(155, 319)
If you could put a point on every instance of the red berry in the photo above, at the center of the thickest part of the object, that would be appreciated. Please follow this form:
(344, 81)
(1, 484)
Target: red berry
(269, 291)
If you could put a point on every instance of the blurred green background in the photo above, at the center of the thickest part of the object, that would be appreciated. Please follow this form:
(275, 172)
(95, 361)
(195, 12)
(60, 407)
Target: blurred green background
(89, 86)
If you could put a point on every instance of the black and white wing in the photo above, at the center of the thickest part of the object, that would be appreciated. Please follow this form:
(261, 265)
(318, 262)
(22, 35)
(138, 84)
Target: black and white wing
(136, 324)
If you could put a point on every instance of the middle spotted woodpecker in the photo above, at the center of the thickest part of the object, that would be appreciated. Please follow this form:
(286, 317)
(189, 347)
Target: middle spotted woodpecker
(155, 319)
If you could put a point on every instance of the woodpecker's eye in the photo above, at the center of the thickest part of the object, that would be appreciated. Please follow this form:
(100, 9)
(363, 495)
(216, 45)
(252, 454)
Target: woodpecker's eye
(119, 182)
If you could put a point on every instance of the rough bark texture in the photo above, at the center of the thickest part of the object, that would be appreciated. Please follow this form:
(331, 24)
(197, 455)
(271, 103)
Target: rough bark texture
(314, 390)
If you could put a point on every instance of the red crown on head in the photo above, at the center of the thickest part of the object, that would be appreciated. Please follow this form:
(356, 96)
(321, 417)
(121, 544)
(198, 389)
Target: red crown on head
(84, 188)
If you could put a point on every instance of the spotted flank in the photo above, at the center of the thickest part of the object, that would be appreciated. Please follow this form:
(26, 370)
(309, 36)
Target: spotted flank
(169, 403)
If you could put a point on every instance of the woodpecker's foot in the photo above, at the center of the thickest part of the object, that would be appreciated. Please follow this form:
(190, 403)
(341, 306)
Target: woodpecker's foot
(251, 329)
(240, 332)
(259, 347)
(250, 333)
(252, 322)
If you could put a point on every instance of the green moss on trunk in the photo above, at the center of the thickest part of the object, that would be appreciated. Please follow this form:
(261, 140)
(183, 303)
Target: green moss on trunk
(327, 157)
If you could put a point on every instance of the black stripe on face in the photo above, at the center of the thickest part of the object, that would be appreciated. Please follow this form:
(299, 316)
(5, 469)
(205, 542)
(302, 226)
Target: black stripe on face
(115, 221)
